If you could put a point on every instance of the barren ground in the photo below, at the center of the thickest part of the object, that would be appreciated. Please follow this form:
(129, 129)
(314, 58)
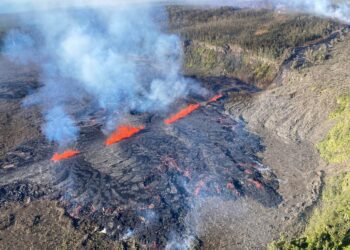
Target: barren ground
(139, 184)
(147, 188)
(291, 117)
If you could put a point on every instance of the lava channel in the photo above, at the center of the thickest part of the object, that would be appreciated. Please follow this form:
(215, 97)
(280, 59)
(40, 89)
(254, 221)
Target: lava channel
(182, 113)
(215, 98)
(123, 132)
(65, 155)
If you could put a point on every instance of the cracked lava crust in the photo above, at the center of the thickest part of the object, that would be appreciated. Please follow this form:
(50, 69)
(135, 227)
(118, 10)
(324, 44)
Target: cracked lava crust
(144, 186)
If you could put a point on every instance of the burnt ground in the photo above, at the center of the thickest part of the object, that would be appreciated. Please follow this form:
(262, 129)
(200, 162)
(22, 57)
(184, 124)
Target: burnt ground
(147, 188)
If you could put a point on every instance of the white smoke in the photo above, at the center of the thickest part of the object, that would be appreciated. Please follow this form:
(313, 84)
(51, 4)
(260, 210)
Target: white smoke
(180, 243)
(338, 9)
(112, 53)
(118, 59)
(326, 8)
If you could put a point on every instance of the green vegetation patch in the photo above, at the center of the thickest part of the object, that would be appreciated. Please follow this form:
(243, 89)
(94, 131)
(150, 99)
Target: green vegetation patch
(254, 30)
(206, 58)
(248, 44)
(335, 148)
(329, 225)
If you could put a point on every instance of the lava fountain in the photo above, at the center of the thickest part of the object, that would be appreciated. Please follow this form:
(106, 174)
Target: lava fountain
(182, 113)
(215, 98)
(123, 132)
(65, 155)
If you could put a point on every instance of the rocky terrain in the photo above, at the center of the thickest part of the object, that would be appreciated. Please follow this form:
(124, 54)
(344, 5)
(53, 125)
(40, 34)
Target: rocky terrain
(148, 187)
(234, 174)
(292, 117)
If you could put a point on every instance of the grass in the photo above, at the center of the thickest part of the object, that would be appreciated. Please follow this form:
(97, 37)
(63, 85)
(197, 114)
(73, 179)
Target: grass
(335, 148)
(329, 225)
(202, 56)
(250, 44)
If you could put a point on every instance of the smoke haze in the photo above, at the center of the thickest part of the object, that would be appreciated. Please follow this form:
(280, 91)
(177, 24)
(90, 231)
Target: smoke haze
(111, 54)
(327, 8)
(118, 59)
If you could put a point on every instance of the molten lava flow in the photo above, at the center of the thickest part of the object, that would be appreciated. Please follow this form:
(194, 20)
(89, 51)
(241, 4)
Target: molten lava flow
(122, 132)
(187, 173)
(217, 188)
(248, 171)
(231, 187)
(182, 113)
(215, 98)
(65, 155)
(257, 184)
(199, 187)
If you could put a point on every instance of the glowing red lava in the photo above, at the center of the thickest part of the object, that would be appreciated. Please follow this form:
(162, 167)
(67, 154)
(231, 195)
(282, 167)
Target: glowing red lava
(257, 184)
(123, 132)
(182, 113)
(199, 187)
(65, 155)
(215, 98)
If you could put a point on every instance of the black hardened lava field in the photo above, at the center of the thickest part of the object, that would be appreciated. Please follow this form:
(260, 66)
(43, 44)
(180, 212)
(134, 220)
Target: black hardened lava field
(144, 186)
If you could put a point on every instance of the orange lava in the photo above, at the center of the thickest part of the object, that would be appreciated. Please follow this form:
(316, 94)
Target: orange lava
(171, 163)
(199, 187)
(182, 113)
(123, 132)
(248, 171)
(217, 189)
(65, 155)
(187, 173)
(257, 184)
(231, 187)
(215, 98)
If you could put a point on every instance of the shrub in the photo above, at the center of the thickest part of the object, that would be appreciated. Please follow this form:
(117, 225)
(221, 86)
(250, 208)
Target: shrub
(335, 148)
(329, 225)
(260, 40)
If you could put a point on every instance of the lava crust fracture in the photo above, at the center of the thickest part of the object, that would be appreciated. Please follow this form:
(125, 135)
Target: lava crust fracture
(144, 185)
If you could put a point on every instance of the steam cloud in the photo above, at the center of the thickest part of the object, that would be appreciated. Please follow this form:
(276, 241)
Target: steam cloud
(118, 59)
(115, 58)
(339, 10)
(328, 8)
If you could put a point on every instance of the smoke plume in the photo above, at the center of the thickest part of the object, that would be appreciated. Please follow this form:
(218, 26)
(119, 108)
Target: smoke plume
(111, 54)
(117, 60)
(325, 8)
